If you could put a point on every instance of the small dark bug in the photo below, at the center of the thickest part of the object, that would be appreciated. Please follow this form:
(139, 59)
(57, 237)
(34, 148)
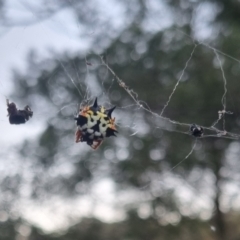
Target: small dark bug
(196, 130)
(17, 116)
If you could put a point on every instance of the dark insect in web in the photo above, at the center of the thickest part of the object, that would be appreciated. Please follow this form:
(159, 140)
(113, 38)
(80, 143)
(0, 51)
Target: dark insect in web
(17, 116)
(196, 130)
(94, 123)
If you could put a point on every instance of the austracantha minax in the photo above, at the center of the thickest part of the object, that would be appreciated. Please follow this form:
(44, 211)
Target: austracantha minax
(94, 124)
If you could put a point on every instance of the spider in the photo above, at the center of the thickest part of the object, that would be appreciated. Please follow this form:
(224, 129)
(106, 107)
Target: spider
(18, 116)
(94, 124)
(196, 130)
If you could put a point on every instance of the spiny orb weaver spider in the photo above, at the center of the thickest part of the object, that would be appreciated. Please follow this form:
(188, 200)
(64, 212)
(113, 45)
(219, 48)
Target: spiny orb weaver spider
(18, 116)
(94, 124)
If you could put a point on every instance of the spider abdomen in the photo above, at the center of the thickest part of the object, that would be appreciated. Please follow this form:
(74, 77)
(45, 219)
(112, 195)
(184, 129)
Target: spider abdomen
(94, 124)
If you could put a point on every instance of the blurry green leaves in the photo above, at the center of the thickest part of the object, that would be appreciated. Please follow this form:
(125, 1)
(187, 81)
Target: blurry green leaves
(47, 145)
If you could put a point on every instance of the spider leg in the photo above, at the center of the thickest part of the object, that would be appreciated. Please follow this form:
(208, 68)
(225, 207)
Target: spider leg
(28, 111)
(96, 144)
(78, 136)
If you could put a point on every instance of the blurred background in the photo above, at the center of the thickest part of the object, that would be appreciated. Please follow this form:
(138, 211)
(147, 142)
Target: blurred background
(154, 181)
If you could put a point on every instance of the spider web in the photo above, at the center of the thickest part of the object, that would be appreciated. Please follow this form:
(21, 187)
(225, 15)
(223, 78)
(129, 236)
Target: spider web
(219, 133)
(87, 97)
(213, 131)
